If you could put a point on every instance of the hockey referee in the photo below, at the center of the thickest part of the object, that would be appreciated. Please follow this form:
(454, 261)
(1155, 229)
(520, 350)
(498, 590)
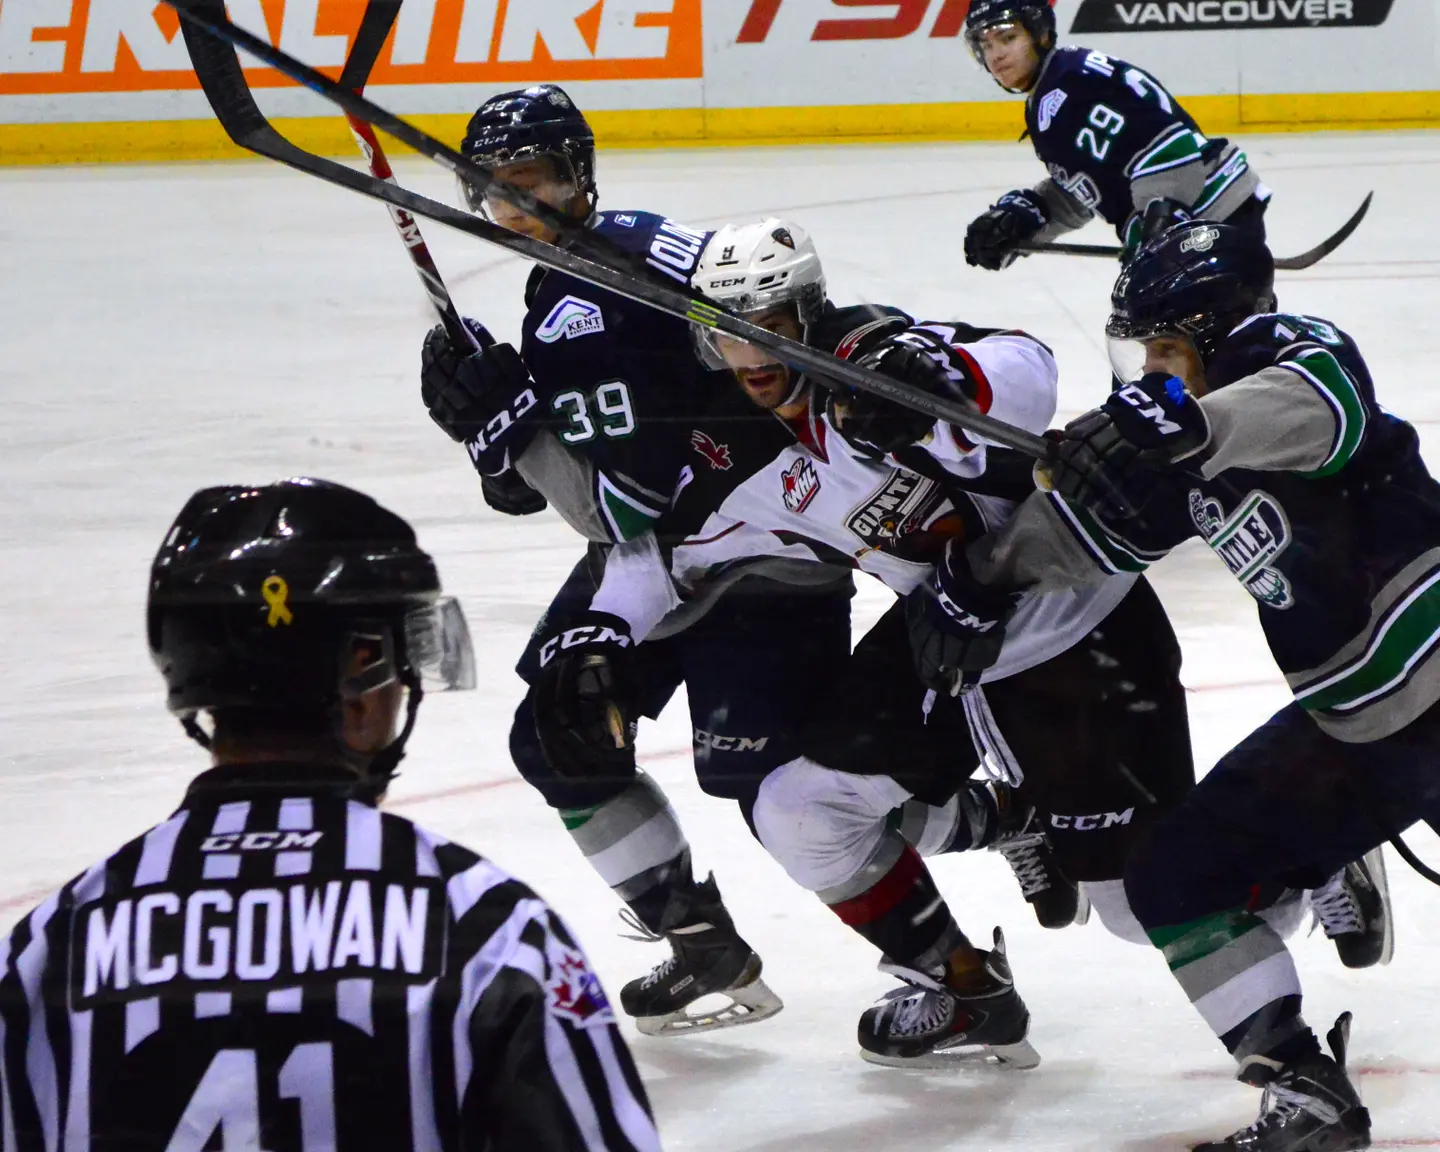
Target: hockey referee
(280, 965)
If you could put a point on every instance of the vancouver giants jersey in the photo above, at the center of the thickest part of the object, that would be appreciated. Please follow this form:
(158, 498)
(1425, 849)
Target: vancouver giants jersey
(614, 379)
(1101, 125)
(288, 969)
(1343, 559)
(804, 494)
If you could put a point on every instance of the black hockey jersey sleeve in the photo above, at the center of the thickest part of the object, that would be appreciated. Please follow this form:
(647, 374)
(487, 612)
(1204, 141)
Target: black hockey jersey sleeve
(551, 1072)
(614, 381)
(1114, 139)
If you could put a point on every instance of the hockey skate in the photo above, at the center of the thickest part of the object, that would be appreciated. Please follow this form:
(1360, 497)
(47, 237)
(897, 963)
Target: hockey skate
(930, 1025)
(1354, 909)
(1309, 1106)
(708, 958)
(1057, 901)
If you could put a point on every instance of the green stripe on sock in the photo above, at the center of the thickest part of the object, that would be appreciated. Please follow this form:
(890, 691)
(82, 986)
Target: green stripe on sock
(573, 818)
(1184, 944)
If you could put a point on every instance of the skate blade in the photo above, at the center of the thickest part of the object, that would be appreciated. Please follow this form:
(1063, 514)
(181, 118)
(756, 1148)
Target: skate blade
(1012, 1057)
(1375, 860)
(1082, 907)
(748, 1005)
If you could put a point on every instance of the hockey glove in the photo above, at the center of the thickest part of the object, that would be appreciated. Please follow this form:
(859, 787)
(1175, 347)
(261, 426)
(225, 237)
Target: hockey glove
(507, 492)
(956, 624)
(1147, 426)
(918, 358)
(478, 398)
(1145, 224)
(584, 699)
(992, 239)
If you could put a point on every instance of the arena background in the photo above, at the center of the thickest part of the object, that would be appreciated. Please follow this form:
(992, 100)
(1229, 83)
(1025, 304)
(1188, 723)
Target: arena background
(110, 79)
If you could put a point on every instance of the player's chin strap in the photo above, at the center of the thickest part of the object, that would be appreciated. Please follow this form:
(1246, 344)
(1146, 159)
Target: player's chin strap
(378, 770)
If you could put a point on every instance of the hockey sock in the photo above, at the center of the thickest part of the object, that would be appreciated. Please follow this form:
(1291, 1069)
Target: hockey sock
(634, 841)
(1239, 975)
(967, 821)
(1267, 1040)
(894, 904)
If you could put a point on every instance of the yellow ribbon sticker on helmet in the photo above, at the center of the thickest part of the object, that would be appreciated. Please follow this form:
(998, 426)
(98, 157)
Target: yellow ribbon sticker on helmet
(277, 594)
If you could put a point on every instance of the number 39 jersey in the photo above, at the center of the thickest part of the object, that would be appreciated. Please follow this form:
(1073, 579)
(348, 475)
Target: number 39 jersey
(614, 382)
(1114, 139)
(292, 970)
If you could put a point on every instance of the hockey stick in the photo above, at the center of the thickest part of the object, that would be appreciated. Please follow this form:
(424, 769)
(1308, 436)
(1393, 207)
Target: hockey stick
(210, 38)
(1282, 263)
(375, 25)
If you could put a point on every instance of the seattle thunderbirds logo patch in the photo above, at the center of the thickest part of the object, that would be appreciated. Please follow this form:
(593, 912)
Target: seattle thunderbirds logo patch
(1248, 540)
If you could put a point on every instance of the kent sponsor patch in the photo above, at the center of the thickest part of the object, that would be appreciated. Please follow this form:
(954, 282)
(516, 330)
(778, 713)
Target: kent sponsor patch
(570, 319)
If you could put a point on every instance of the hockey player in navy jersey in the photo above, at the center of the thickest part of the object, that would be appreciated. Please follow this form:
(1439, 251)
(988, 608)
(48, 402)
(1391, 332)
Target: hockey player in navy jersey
(1117, 145)
(1260, 433)
(596, 411)
(279, 963)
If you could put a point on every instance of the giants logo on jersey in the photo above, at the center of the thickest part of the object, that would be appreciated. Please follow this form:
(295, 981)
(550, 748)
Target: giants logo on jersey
(906, 516)
(799, 483)
(716, 455)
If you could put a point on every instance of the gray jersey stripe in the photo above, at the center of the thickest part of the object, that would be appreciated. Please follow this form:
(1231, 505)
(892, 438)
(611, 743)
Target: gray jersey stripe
(424, 1133)
(285, 1001)
(352, 1004)
(362, 837)
(77, 1109)
(297, 814)
(221, 866)
(39, 1055)
(142, 1020)
(156, 855)
(629, 1113)
(231, 817)
(211, 1004)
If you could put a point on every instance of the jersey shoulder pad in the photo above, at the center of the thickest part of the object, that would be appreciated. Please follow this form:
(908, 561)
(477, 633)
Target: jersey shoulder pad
(1264, 339)
(664, 244)
(852, 331)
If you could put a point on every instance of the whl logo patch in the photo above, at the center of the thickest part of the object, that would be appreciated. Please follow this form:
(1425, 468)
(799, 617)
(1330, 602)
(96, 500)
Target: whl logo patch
(799, 483)
(569, 320)
(1249, 540)
(1201, 15)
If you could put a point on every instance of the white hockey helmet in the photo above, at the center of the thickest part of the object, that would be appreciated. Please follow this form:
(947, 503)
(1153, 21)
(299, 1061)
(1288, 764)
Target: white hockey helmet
(750, 268)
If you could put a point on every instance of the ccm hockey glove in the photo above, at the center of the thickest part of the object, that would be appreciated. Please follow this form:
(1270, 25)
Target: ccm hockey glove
(956, 624)
(479, 398)
(1147, 426)
(992, 239)
(584, 700)
(919, 358)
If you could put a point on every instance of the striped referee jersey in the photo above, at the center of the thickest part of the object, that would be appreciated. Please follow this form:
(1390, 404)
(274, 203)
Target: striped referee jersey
(280, 967)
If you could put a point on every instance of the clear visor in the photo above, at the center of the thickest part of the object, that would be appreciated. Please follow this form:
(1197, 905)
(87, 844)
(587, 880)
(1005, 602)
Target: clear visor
(719, 351)
(437, 641)
(1135, 351)
(1127, 358)
(556, 191)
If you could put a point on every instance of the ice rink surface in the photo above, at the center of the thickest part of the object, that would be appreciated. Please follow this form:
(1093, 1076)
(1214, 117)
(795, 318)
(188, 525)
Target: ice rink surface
(164, 328)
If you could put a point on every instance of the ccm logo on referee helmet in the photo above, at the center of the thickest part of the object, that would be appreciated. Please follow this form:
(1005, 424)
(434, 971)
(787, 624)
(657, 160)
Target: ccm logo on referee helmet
(260, 841)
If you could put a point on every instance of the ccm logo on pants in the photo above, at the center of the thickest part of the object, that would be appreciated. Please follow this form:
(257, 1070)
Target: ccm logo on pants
(729, 743)
(1091, 823)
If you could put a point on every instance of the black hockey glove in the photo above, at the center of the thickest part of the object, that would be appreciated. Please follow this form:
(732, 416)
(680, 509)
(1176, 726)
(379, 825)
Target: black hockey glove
(1143, 225)
(956, 624)
(992, 239)
(584, 699)
(507, 492)
(478, 398)
(918, 358)
(1147, 426)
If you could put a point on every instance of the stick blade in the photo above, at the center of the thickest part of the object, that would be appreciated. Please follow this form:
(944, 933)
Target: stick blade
(1325, 247)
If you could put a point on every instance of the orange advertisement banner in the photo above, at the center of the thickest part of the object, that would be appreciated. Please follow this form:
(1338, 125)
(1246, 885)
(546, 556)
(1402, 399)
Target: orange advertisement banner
(61, 46)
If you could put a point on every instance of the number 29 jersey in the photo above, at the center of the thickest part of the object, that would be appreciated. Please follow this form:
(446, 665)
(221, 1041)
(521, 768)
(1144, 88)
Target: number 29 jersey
(615, 381)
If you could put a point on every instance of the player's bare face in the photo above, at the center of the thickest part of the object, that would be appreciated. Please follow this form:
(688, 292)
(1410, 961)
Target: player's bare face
(765, 380)
(1176, 356)
(541, 179)
(1010, 55)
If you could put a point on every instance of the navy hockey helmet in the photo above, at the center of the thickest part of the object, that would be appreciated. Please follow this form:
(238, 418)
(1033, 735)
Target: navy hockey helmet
(289, 597)
(1036, 16)
(1198, 279)
(526, 124)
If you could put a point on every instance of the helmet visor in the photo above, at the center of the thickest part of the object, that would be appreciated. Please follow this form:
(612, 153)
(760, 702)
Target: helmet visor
(1137, 349)
(437, 642)
(552, 183)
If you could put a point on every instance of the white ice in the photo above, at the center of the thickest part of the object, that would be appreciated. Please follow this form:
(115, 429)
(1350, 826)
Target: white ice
(165, 328)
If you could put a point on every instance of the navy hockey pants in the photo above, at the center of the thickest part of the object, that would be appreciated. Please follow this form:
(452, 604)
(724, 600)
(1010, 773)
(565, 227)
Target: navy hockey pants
(1288, 805)
(755, 667)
